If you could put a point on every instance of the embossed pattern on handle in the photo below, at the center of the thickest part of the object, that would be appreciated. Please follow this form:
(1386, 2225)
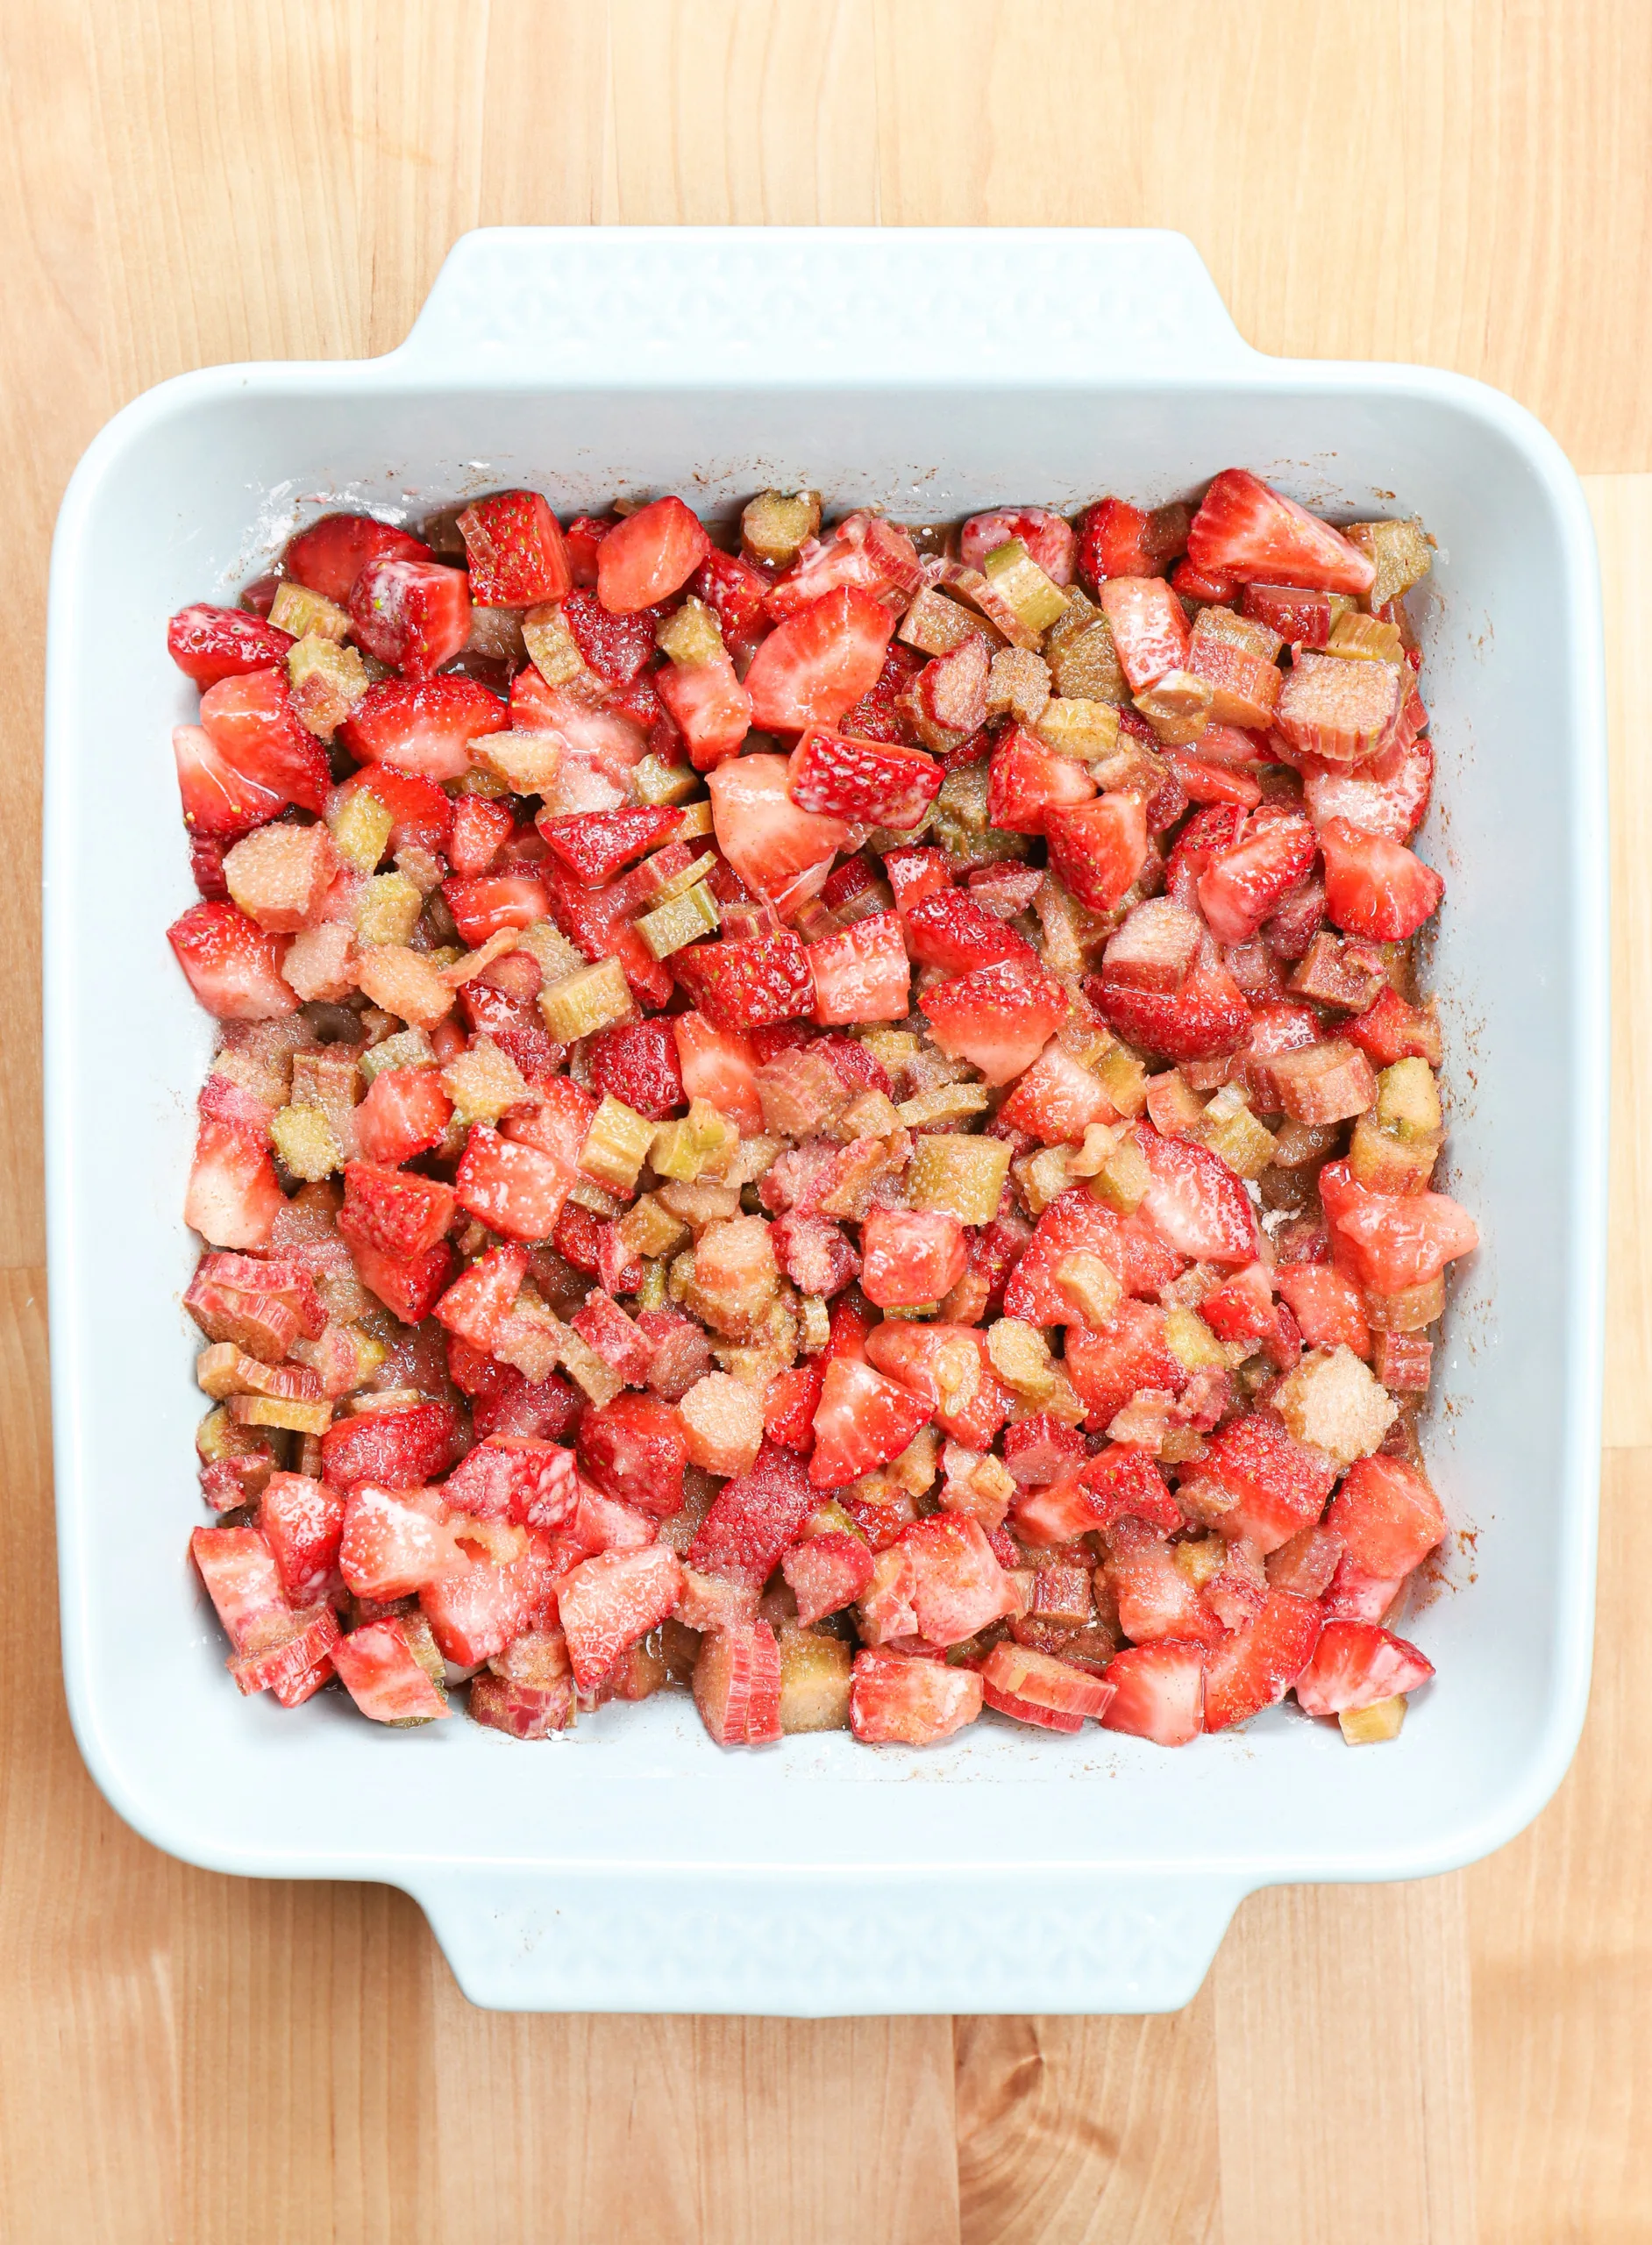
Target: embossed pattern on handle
(623, 303)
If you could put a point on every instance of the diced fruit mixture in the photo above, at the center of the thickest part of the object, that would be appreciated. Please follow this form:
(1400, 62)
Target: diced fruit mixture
(845, 1126)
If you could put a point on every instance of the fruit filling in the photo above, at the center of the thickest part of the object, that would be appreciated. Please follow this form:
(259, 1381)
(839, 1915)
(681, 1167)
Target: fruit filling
(845, 1127)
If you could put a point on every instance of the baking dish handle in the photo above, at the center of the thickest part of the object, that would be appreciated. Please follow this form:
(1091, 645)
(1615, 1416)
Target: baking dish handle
(810, 1945)
(632, 305)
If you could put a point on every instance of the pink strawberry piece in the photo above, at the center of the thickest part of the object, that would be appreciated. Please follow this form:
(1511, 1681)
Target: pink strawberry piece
(755, 1517)
(1056, 1099)
(512, 1187)
(782, 853)
(1195, 1202)
(614, 647)
(516, 551)
(377, 1667)
(1387, 794)
(405, 1112)
(314, 1632)
(479, 829)
(409, 1284)
(879, 782)
(1037, 1688)
(476, 1610)
(1154, 1599)
(603, 1325)
(1077, 1222)
(220, 803)
(1207, 1016)
(494, 902)
(1326, 1305)
(914, 875)
(1356, 1664)
(634, 1448)
(421, 814)
(1050, 542)
(423, 725)
(736, 1684)
(515, 1478)
(1109, 1368)
(949, 928)
(1148, 625)
(718, 1065)
(637, 1061)
(813, 669)
(736, 592)
(233, 1198)
(413, 615)
(745, 985)
(649, 556)
(1392, 1242)
(301, 1520)
(1158, 1692)
(971, 1402)
(1099, 848)
(1255, 1666)
(826, 1574)
(209, 643)
(999, 1017)
(244, 1583)
(394, 1210)
(709, 707)
(256, 731)
(909, 1256)
(1302, 616)
(328, 556)
(863, 1421)
(391, 1548)
(1040, 1449)
(474, 1304)
(1247, 530)
(608, 1603)
(232, 965)
(1277, 1486)
(862, 975)
(1375, 887)
(863, 551)
(959, 1586)
(790, 1401)
(896, 1700)
(1244, 884)
(1388, 1517)
(395, 1450)
(1116, 539)
(1028, 780)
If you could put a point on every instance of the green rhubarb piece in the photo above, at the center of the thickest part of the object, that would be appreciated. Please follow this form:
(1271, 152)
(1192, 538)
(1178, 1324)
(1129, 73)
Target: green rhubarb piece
(615, 1145)
(581, 1003)
(360, 830)
(1122, 1182)
(306, 1142)
(776, 523)
(409, 1048)
(961, 825)
(1408, 1101)
(1016, 577)
(691, 635)
(388, 909)
(679, 921)
(656, 783)
(307, 615)
(953, 1174)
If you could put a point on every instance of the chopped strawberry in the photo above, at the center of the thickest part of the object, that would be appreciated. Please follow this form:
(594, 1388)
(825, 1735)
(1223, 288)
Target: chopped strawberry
(409, 1284)
(914, 875)
(813, 669)
(1050, 541)
(998, 1018)
(1154, 1599)
(649, 556)
(253, 725)
(516, 552)
(413, 615)
(476, 1610)
(781, 852)
(910, 1257)
(1243, 885)
(1114, 541)
(1390, 1029)
(233, 1198)
(947, 927)
(897, 1700)
(790, 1401)
(1393, 1241)
(1099, 848)
(328, 556)
(1148, 625)
(634, 1448)
(1076, 1223)
(244, 1583)
(220, 803)
(1247, 530)
(478, 830)
(395, 1450)
(1374, 888)
(880, 782)
(1356, 1664)
(736, 1684)
(718, 1065)
(1277, 1486)
(423, 725)
(637, 1062)
(1304, 617)
(233, 968)
(1388, 1517)
(736, 593)
(474, 1306)
(1255, 1666)
(394, 1210)
(405, 1112)
(1207, 1016)
(746, 985)
(755, 1517)
(1056, 1099)
(378, 1667)
(510, 1188)
(421, 814)
(515, 1478)
(481, 908)
(1041, 1449)
(863, 551)
(950, 1365)
(863, 1421)
(711, 707)
(1192, 584)
(616, 647)
(1326, 1305)
(863, 974)
(1028, 780)
(1158, 1692)
(391, 1549)
(1195, 1202)
(209, 643)
(826, 1574)
(958, 1587)
(609, 1602)
(1208, 781)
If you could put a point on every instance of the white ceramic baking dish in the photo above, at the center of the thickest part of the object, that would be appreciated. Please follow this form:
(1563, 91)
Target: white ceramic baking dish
(634, 1866)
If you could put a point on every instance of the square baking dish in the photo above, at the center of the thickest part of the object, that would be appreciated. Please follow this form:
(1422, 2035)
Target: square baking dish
(632, 1865)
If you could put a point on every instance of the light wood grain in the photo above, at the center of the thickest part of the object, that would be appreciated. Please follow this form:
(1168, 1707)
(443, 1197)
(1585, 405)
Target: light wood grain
(186, 2057)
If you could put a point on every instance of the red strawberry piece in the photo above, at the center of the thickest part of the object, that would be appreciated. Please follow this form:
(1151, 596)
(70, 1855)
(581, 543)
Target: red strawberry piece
(881, 714)
(1076, 1223)
(1393, 1241)
(1195, 1202)
(971, 1402)
(862, 551)
(914, 875)
(476, 1611)
(634, 1448)
(405, 1112)
(1158, 1692)
(745, 985)
(947, 927)
(1375, 887)
(1247, 530)
(1119, 1484)
(377, 1666)
(423, 725)
(513, 1477)
(813, 669)
(1388, 795)
(233, 968)
(549, 1409)
(909, 1256)
(781, 852)
(479, 829)
(1148, 625)
(1390, 1029)
(516, 552)
(421, 815)
(394, 1210)
(1050, 541)
(813, 1254)
(1356, 1664)
(897, 1700)
(1028, 780)
(1040, 1449)
(604, 1326)
(1099, 848)
(958, 1585)
(1302, 617)
(826, 1574)
(736, 593)
(1255, 1666)
(314, 1632)
(1326, 1305)
(1108, 1368)
(219, 803)
(710, 708)
(609, 1602)
(637, 1061)
(755, 1517)
(1204, 781)
(475, 1303)
(390, 1548)
(413, 615)
(1055, 1099)
(863, 1421)
(510, 1188)
(736, 1684)
(1244, 884)
(328, 556)
(481, 908)
(862, 975)
(1113, 542)
(1388, 1517)
(599, 921)
(244, 1583)
(1154, 1599)
(408, 1285)
(718, 1065)
(790, 1401)
(649, 556)
(584, 534)
(233, 1198)
(393, 1450)
(998, 1018)
(252, 723)
(1207, 1016)
(1037, 1688)
(856, 1067)
(1277, 1485)
(879, 782)
(209, 643)
(1192, 584)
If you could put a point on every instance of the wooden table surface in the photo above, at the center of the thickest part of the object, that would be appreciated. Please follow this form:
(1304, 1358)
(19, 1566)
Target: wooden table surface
(192, 2058)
